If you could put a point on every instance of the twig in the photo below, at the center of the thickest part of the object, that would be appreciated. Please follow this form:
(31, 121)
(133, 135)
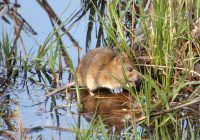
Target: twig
(60, 89)
(20, 21)
(44, 4)
(177, 107)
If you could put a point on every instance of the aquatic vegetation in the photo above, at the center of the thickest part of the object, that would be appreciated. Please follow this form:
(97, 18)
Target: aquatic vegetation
(7, 54)
(165, 51)
(160, 37)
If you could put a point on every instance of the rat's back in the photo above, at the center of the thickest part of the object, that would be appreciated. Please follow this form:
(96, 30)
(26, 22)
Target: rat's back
(91, 65)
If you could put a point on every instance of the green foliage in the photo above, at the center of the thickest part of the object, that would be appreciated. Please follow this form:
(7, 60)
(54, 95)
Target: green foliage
(170, 27)
(166, 41)
(7, 55)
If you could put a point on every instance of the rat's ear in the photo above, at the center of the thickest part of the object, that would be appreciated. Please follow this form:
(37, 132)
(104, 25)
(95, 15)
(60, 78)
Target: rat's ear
(124, 55)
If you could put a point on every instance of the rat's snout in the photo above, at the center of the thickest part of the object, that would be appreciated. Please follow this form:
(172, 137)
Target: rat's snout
(138, 82)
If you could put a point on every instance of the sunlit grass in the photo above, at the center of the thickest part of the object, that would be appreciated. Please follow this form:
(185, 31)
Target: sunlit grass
(20, 127)
(7, 54)
(169, 28)
(169, 47)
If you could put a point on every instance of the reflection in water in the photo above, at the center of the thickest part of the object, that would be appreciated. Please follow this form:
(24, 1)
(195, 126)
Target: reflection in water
(40, 116)
(53, 117)
(115, 109)
(6, 115)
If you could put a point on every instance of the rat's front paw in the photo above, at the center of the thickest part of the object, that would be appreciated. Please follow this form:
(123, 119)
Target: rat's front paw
(91, 93)
(117, 90)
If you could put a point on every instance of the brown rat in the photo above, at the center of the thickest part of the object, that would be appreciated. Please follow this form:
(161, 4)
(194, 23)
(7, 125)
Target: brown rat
(101, 67)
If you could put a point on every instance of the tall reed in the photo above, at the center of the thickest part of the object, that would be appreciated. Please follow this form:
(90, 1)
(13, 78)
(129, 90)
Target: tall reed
(168, 44)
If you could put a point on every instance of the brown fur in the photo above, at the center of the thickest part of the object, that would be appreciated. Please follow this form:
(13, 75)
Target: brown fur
(102, 68)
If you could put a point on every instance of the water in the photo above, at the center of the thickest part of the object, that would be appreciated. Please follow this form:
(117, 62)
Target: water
(35, 111)
(58, 118)
(38, 19)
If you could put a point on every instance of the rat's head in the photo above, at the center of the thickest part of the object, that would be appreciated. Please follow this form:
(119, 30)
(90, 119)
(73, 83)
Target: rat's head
(129, 71)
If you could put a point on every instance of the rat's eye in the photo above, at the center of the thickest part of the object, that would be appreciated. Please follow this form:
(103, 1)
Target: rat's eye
(130, 69)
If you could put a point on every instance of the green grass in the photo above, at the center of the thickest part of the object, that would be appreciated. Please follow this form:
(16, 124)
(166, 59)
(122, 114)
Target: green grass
(7, 54)
(170, 69)
(171, 53)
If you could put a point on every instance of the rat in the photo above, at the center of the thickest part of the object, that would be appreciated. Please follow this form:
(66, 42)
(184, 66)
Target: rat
(102, 68)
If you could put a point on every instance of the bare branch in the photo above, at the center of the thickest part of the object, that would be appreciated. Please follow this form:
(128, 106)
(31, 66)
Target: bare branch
(52, 14)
